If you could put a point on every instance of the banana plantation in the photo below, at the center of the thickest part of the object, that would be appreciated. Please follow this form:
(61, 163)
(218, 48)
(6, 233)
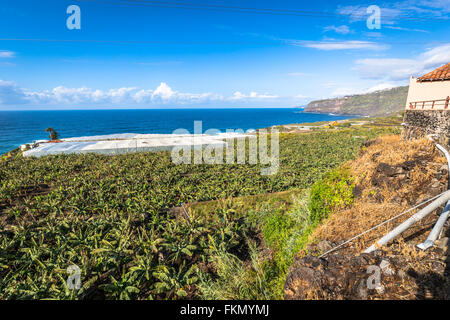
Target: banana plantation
(118, 219)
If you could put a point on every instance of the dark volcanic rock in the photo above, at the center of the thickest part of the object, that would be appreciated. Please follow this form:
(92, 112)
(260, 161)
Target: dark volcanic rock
(341, 277)
(368, 276)
(388, 170)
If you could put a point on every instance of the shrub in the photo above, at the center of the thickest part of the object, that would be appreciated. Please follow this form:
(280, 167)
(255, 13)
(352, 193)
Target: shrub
(333, 192)
(234, 279)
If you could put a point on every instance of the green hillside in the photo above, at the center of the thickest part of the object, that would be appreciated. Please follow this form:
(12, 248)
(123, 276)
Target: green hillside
(377, 103)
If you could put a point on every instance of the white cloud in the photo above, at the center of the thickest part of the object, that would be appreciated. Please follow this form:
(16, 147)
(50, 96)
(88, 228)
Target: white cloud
(266, 96)
(253, 95)
(143, 96)
(7, 54)
(387, 68)
(117, 95)
(406, 29)
(402, 69)
(442, 5)
(342, 45)
(75, 96)
(237, 96)
(430, 8)
(164, 91)
(436, 56)
(393, 12)
(359, 13)
(163, 94)
(347, 91)
(344, 92)
(341, 29)
(380, 87)
(11, 94)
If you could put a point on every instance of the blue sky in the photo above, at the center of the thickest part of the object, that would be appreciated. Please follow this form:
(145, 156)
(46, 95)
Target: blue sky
(160, 54)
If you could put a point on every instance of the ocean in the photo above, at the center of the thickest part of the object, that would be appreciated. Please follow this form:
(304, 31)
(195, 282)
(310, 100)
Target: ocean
(19, 127)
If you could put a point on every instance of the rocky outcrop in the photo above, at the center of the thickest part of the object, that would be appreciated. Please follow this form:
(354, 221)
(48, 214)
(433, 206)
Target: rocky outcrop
(338, 277)
(397, 175)
(368, 276)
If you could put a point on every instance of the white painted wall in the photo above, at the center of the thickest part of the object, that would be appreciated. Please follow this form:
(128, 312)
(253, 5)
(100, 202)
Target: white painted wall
(428, 90)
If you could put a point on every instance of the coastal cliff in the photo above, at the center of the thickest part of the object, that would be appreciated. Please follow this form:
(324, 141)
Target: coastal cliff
(384, 102)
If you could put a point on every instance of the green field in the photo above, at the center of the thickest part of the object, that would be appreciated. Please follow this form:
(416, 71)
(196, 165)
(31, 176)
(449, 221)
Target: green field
(112, 216)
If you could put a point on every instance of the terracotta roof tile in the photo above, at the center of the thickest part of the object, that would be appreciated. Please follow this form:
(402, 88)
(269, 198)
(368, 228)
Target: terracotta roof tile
(442, 73)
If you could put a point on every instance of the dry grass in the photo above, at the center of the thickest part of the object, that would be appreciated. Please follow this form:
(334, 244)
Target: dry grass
(367, 211)
(394, 151)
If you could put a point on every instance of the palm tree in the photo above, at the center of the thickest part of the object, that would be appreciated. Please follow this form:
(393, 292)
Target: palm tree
(53, 135)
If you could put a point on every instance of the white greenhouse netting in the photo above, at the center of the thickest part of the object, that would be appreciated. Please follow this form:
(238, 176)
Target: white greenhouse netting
(126, 143)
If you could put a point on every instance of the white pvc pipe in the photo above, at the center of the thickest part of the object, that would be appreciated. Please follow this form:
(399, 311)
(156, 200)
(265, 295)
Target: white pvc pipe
(437, 229)
(447, 155)
(408, 223)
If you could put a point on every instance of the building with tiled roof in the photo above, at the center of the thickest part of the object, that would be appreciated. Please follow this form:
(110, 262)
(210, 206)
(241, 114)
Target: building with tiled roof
(428, 105)
(430, 91)
(440, 74)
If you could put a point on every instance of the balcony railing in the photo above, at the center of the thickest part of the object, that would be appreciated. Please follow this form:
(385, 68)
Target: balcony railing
(430, 104)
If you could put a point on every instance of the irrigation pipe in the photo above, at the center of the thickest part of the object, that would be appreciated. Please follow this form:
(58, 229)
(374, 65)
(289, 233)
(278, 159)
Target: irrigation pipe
(447, 156)
(437, 229)
(379, 225)
(408, 223)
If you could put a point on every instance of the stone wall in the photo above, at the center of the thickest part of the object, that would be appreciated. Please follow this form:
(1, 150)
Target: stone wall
(418, 123)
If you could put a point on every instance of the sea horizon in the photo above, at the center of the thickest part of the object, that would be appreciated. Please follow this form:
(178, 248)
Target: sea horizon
(18, 127)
